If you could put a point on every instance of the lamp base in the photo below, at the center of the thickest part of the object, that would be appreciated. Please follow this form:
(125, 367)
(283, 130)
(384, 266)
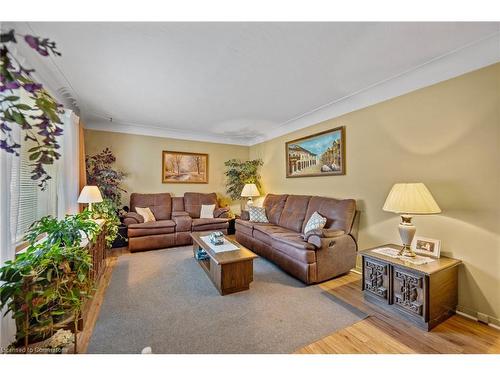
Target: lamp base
(407, 232)
(406, 251)
(249, 202)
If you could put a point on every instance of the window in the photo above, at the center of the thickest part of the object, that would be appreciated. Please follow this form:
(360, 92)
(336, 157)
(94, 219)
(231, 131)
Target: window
(28, 202)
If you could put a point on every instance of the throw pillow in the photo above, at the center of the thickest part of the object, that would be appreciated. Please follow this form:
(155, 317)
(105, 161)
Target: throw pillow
(207, 211)
(316, 221)
(146, 213)
(257, 214)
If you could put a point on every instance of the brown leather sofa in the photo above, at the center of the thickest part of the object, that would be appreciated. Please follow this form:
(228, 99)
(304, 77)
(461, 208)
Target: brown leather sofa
(176, 218)
(313, 257)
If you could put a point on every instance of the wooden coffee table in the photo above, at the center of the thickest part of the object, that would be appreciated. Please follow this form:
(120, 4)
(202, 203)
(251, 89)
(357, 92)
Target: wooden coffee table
(230, 271)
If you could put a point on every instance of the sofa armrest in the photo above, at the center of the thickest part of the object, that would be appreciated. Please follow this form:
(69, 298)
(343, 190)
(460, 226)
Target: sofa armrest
(335, 256)
(132, 218)
(320, 236)
(183, 223)
(245, 215)
(222, 212)
(179, 213)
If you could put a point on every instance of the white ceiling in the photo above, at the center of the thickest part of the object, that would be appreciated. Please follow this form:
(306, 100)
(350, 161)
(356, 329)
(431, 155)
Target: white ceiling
(240, 82)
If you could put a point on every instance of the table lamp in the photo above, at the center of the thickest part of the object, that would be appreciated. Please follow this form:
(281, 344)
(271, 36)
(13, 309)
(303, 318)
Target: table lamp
(250, 190)
(90, 194)
(407, 200)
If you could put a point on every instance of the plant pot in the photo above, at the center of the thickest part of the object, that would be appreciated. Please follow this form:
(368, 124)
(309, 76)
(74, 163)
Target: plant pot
(61, 342)
(122, 239)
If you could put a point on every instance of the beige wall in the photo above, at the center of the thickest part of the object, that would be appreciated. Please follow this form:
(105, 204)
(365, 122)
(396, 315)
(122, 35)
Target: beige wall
(141, 157)
(447, 136)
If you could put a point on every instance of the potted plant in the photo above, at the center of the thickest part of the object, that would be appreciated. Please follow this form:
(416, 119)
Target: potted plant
(100, 172)
(107, 210)
(239, 173)
(46, 286)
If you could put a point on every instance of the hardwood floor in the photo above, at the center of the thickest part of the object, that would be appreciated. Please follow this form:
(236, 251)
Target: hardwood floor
(381, 332)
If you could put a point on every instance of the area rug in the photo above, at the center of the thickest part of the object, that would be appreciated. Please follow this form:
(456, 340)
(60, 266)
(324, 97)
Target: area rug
(163, 299)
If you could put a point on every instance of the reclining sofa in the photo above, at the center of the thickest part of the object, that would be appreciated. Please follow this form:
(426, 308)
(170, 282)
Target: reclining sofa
(176, 218)
(312, 257)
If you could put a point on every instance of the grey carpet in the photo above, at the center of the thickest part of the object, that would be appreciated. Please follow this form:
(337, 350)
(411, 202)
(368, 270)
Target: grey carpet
(163, 299)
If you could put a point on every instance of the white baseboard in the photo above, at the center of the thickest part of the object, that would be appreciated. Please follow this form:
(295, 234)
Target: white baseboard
(492, 325)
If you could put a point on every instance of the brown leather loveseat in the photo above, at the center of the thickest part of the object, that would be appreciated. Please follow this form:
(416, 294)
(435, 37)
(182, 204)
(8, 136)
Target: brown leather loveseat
(176, 218)
(313, 257)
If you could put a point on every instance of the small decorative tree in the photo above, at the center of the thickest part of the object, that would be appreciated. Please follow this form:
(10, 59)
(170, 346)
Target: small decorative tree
(239, 173)
(100, 172)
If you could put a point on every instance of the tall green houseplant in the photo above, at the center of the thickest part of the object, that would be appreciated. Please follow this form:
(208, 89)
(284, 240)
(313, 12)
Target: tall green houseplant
(45, 287)
(239, 173)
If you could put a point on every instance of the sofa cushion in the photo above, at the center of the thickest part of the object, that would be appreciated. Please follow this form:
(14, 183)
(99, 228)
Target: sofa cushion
(183, 223)
(315, 222)
(222, 212)
(177, 204)
(160, 204)
(293, 239)
(257, 214)
(294, 212)
(244, 226)
(150, 228)
(193, 202)
(207, 211)
(339, 213)
(295, 248)
(200, 225)
(147, 215)
(274, 204)
(266, 232)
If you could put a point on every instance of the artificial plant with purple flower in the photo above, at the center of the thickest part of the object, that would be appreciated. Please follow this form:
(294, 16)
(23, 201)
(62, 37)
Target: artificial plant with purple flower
(100, 172)
(40, 120)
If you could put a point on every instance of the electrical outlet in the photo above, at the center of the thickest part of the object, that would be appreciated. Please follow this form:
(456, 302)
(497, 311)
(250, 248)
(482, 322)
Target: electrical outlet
(483, 318)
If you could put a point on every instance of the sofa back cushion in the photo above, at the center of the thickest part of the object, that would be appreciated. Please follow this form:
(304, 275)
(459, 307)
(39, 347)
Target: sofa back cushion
(339, 213)
(177, 204)
(294, 212)
(193, 202)
(160, 204)
(274, 204)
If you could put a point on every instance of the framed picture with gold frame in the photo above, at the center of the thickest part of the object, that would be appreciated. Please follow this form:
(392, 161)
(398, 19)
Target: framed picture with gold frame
(184, 168)
(320, 154)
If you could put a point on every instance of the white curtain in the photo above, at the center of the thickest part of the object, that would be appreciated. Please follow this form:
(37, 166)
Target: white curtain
(9, 170)
(68, 187)
(67, 190)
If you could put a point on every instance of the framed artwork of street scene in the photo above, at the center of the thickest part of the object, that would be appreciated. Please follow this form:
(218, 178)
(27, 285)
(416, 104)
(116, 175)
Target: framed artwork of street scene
(320, 154)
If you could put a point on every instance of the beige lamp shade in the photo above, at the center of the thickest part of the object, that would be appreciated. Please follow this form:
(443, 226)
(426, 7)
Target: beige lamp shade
(90, 194)
(413, 198)
(250, 190)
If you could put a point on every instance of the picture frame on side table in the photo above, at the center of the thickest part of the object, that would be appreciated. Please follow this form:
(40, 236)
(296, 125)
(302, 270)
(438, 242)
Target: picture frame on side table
(427, 246)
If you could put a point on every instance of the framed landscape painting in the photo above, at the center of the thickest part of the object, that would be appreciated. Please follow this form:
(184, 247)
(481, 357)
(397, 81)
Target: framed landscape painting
(320, 154)
(184, 167)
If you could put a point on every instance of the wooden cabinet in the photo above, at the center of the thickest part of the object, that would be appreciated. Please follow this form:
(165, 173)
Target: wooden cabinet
(425, 294)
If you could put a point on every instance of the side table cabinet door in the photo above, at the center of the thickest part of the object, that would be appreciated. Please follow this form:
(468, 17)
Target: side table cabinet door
(409, 291)
(376, 278)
